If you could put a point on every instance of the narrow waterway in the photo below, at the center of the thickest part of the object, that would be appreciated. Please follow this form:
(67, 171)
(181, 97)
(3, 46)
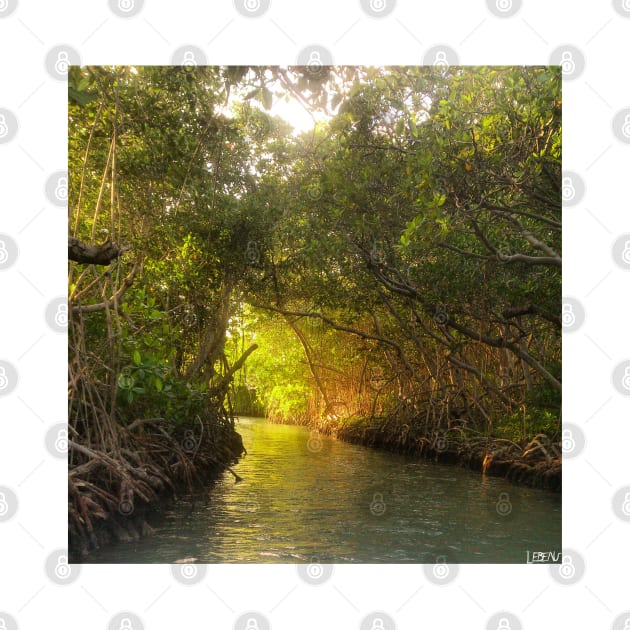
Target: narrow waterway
(309, 498)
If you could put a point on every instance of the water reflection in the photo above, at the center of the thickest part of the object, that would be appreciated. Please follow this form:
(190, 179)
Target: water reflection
(347, 503)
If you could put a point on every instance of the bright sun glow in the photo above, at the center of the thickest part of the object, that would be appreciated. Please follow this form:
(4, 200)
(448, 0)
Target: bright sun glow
(296, 115)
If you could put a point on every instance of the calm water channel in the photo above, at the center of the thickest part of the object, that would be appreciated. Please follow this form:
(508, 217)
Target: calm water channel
(309, 498)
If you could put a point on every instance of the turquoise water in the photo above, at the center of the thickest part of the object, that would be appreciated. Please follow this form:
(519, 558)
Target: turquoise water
(305, 497)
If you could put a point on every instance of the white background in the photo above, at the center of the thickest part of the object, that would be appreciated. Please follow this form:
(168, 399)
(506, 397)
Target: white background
(590, 275)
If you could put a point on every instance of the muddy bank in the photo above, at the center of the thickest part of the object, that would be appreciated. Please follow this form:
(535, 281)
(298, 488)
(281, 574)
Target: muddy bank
(115, 495)
(536, 463)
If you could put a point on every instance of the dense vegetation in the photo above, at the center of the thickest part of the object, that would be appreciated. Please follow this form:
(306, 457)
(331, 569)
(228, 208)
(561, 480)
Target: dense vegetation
(391, 277)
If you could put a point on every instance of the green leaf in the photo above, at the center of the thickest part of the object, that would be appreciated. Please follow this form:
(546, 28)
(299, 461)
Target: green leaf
(137, 359)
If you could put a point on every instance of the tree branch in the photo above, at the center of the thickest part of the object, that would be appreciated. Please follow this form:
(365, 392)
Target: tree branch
(94, 254)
